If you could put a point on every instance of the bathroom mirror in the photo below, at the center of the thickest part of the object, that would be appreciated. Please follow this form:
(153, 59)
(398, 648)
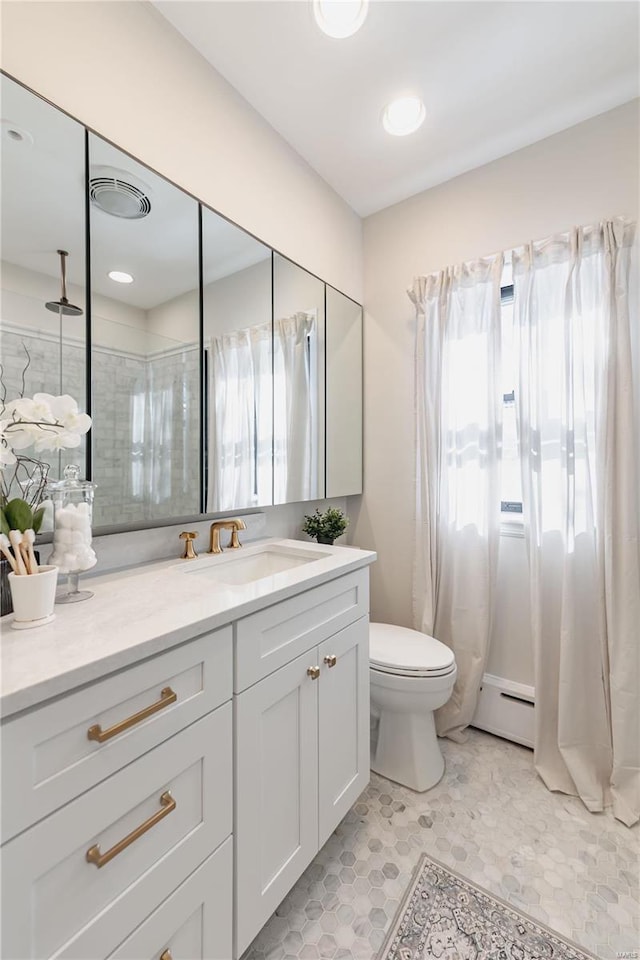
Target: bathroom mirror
(343, 452)
(42, 345)
(298, 383)
(238, 366)
(263, 406)
(145, 342)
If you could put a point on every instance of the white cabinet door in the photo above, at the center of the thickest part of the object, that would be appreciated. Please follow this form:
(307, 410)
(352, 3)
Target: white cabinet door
(276, 831)
(343, 733)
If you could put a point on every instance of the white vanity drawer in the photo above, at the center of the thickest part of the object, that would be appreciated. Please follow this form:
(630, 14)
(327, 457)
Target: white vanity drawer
(194, 923)
(55, 903)
(268, 639)
(47, 756)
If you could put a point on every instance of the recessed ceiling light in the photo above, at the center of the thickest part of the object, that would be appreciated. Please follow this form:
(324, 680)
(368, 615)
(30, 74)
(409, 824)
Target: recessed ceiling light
(18, 134)
(119, 276)
(340, 18)
(403, 116)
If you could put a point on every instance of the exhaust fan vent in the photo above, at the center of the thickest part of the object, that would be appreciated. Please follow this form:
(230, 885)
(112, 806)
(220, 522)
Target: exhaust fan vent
(118, 197)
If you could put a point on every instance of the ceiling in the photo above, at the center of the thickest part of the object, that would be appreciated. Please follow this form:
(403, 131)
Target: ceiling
(494, 76)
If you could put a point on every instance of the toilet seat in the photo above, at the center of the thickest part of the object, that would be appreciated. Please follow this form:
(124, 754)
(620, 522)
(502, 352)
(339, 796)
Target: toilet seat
(402, 652)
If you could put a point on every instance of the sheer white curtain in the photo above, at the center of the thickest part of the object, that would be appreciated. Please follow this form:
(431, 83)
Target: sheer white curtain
(294, 415)
(239, 391)
(580, 483)
(459, 417)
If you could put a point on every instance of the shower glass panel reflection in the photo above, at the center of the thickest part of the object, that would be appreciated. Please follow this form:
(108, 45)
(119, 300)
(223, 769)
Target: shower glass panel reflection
(145, 361)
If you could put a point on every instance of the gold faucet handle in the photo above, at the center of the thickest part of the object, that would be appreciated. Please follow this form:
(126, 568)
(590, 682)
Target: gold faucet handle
(189, 552)
(234, 525)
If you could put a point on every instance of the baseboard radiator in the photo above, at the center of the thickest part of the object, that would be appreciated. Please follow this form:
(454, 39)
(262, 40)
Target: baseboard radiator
(506, 708)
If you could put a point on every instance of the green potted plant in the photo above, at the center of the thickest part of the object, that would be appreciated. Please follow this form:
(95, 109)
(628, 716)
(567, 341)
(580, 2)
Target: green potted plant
(325, 527)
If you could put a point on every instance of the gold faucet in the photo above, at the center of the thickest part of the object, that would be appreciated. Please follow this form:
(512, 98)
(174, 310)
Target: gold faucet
(188, 537)
(214, 533)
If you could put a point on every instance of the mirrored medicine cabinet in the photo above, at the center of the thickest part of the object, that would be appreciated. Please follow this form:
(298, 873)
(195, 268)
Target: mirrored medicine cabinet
(220, 375)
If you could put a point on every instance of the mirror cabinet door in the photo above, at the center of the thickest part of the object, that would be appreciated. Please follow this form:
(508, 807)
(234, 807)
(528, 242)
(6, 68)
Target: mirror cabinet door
(298, 387)
(145, 355)
(344, 395)
(43, 211)
(238, 367)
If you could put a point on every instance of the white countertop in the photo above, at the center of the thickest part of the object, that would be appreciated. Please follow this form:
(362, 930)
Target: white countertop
(139, 612)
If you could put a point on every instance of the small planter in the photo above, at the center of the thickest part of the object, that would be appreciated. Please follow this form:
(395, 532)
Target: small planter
(33, 597)
(327, 540)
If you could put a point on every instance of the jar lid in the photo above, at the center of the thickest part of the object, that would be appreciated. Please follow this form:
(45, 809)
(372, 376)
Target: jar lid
(71, 480)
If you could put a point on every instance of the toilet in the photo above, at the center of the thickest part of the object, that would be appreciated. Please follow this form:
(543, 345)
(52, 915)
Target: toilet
(411, 675)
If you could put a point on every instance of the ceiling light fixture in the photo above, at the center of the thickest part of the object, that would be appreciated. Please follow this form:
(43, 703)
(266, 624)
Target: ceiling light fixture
(403, 116)
(120, 276)
(340, 18)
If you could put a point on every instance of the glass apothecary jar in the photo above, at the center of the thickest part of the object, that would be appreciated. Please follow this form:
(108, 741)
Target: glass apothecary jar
(73, 510)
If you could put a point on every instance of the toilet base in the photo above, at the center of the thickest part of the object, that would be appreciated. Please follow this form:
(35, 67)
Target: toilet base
(408, 751)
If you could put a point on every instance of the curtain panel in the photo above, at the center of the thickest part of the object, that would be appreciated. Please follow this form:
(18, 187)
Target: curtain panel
(574, 400)
(459, 429)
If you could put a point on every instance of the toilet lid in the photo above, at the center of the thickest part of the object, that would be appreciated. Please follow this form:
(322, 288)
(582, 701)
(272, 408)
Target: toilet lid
(402, 651)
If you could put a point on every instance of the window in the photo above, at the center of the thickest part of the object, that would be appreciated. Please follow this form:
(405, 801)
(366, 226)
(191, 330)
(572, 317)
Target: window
(511, 494)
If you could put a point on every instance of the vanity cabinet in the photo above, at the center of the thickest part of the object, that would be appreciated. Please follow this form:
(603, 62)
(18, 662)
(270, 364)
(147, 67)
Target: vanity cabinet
(301, 742)
(164, 809)
(113, 828)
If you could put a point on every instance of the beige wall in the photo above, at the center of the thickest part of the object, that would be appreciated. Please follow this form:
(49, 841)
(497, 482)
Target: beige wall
(120, 68)
(581, 175)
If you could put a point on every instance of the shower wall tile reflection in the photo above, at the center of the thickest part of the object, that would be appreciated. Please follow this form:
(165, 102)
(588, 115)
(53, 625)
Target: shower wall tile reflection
(146, 415)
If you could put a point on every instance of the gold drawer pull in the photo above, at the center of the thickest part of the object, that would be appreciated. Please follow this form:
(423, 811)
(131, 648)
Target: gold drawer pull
(93, 853)
(313, 672)
(166, 955)
(331, 660)
(96, 732)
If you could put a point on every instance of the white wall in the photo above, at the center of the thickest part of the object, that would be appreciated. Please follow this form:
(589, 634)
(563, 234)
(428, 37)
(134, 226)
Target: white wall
(581, 175)
(123, 70)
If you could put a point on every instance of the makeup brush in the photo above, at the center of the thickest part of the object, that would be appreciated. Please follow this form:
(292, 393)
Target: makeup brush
(15, 536)
(5, 549)
(29, 538)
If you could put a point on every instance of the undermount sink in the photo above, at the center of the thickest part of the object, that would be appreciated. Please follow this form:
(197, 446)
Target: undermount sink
(256, 564)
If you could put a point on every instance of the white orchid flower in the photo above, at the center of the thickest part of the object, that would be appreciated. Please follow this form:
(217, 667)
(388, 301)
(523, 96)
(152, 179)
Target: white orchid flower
(78, 423)
(7, 457)
(60, 407)
(26, 409)
(58, 440)
(16, 435)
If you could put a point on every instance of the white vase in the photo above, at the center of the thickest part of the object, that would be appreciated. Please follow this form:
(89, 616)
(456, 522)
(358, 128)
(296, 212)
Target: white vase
(34, 596)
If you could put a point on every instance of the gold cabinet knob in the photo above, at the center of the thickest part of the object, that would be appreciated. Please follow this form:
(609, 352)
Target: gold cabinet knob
(331, 660)
(313, 672)
(166, 955)
(189, 536)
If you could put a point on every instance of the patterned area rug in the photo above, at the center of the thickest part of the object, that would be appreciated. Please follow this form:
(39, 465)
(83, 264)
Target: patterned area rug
(450, 918)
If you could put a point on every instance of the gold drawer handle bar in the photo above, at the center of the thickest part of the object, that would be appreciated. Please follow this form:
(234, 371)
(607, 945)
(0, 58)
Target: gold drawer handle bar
(168, 805)
(96, 732)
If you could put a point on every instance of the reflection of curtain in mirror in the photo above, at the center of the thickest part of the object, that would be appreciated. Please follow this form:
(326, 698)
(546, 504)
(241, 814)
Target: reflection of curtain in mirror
(295, 425)
(239, 393)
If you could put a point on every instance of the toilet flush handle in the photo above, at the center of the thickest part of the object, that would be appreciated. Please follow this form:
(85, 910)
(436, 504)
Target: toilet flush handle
(331, 660)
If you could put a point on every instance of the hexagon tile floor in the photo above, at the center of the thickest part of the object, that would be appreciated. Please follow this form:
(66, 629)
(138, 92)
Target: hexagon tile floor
(491, 819)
